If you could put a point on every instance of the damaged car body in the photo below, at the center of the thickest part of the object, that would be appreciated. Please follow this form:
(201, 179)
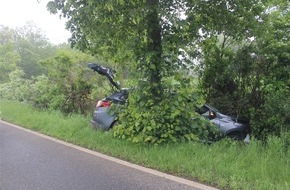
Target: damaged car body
(105, 120)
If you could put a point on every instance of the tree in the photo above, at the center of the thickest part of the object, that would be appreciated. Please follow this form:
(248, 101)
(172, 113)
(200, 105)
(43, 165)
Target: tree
(32, 46)
(272, 117)
(9, 58)
(150, 34)
(149, 31)
(23, 47)
(250, 77)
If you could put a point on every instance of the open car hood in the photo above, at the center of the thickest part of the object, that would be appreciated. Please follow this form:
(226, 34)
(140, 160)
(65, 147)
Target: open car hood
(109, 73)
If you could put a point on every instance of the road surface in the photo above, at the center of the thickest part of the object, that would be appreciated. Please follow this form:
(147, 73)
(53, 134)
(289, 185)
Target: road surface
(29, 161)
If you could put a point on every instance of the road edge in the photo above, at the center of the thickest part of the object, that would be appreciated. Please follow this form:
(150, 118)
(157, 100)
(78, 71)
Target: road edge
(117, 160)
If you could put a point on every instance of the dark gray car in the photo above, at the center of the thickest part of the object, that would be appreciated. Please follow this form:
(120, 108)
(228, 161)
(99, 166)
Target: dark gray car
(102, 119)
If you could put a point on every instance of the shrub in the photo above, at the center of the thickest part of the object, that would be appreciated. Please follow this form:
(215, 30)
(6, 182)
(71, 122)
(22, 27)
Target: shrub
(67, 86)
(273, 118)
(16, 88)
(68, 83)
(169, 118)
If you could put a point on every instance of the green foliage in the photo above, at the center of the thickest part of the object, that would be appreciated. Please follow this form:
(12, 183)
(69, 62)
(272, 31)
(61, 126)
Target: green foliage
(32, 46)
(23, 48)
(273, 42)
(171, 119)
(42, 94)
(151, 36)
(250, 78)
(16, 88)
(9, 57)
(68, 85)
(230, 77)
(273, 117)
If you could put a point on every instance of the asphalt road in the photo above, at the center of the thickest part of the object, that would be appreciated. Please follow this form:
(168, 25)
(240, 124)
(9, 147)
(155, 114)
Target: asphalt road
(31, 162)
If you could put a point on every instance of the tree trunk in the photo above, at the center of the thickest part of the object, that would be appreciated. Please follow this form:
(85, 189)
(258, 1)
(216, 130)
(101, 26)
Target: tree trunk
(154, 47)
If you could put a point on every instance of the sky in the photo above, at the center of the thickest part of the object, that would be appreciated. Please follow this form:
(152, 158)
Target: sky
(16, 13)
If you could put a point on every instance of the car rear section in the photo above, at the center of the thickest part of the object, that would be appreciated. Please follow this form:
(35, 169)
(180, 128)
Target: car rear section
(103, 118)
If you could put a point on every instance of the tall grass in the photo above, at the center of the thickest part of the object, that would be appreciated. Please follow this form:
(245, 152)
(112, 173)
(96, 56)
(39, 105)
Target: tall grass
(225, 164)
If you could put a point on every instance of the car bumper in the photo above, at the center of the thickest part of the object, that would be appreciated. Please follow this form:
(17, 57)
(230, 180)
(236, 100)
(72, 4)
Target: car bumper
(102, 119)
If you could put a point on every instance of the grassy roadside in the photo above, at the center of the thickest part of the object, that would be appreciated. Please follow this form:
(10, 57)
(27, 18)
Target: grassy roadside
(227, 165)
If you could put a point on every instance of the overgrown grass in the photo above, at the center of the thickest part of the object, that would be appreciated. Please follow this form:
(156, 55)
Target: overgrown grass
(226, 164)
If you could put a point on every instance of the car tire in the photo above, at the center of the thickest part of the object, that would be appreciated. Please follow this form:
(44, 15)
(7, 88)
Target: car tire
(236, 135)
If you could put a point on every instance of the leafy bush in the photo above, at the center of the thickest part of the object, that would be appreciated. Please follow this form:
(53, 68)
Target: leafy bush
(41, 95)
(273, 117)
(251, 78)
(68, 83)
(67, 86)
(16, 88)
(169, 118)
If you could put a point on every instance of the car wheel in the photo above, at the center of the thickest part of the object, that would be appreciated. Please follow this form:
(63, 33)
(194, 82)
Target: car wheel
(237, 135)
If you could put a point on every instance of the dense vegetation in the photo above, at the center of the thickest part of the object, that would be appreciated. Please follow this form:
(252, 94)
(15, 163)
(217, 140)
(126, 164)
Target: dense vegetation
(45, 75)
(250, 78)
(240, 56)
(174, 55)
(241, 47)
